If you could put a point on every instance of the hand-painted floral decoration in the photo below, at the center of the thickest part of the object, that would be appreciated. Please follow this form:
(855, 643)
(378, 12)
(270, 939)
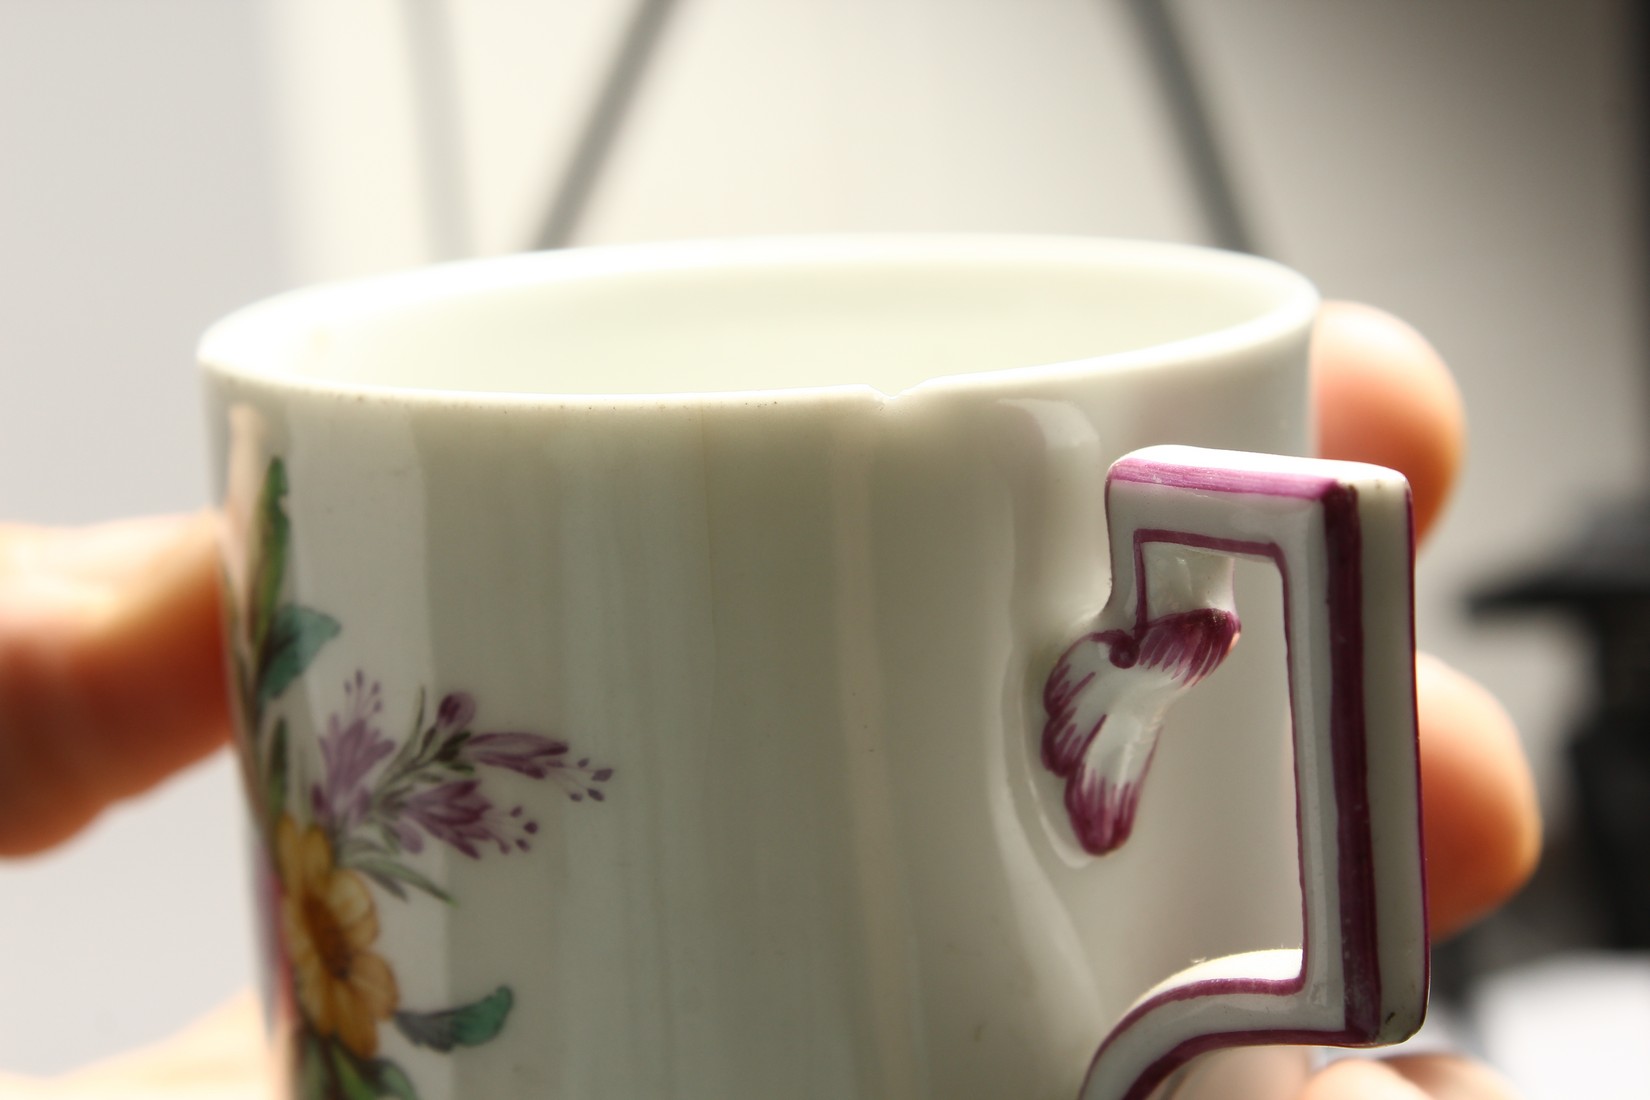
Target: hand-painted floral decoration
(352, 838)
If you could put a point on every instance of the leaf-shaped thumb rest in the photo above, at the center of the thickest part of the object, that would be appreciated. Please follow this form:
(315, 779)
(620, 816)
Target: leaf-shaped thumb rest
(1105, 702)
(1177, 519)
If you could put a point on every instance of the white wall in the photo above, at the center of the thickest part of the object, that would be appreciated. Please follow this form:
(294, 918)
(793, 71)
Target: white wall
(1463, 162)
(136, 203)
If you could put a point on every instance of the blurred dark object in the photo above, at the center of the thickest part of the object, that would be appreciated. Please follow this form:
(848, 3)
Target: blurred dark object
(1603, 585)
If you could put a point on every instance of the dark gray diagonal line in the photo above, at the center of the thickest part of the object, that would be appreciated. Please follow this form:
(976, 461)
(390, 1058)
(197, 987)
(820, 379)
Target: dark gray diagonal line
(440, 133)
(1194, 130)
(636, 50)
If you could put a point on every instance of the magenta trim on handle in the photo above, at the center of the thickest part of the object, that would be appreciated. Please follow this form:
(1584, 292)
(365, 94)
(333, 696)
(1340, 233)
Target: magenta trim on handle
(1220, 479)
(1348, 743)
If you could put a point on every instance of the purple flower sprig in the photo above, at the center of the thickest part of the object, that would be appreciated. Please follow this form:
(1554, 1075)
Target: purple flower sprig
(351, 748)
(430, 786)
(539, 758)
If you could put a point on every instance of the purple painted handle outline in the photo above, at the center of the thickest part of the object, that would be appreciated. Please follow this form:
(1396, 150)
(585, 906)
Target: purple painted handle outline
(1333, 531)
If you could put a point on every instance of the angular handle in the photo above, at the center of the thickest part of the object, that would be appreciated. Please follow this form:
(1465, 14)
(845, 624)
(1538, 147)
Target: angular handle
(1339, 534)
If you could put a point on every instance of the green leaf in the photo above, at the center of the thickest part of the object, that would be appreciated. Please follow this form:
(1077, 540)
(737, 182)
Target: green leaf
(404, 754)
(275, 773)
(274, 535)
(358, 847)
(389, 1079)
(390, 885)
(390, 875)
(295, 636)
(313, 1078)
(244, 697)
(450, 747)
(352, 1076)
(468, 1026)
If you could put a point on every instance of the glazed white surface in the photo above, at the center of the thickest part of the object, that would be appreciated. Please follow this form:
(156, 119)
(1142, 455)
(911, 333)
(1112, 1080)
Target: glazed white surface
(808, 629)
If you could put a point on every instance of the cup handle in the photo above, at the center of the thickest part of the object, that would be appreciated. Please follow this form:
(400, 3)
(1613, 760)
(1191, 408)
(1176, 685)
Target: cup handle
(1340, 536)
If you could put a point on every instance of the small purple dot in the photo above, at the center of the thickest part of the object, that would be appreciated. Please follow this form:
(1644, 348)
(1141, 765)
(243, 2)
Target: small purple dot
(522, 844)
(516, 812)
(576, 797)
(603, 776)
(585, 763)
(597, 795)
(531, 827)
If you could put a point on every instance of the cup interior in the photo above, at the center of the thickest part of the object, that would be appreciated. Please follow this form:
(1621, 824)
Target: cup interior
(730, 317)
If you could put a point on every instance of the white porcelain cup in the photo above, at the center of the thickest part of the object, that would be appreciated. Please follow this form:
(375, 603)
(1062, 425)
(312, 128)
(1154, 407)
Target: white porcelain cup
(729, 671)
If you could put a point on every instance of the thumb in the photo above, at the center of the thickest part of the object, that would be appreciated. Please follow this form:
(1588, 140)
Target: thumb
(1413, 1077)
(111, 674)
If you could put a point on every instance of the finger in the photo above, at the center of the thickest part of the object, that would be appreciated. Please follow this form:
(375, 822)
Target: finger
(1423, 1077)
(221, 1057)
(1383, 395)
(1449, 1078)
(1361, 1079)
(1481, 821)
(111, 675)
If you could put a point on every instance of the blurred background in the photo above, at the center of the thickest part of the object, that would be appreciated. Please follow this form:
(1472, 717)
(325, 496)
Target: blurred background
(1472, 165)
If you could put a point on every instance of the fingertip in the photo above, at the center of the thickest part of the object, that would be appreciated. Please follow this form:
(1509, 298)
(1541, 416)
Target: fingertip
(1408, 1077)
(1384, 395)
(1360, 1079)
(1448, 1077)
(164, 702)
(1479, 808)
(222, 1055)
(111, 673)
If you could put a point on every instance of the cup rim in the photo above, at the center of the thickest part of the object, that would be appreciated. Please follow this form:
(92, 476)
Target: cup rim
(250, 343)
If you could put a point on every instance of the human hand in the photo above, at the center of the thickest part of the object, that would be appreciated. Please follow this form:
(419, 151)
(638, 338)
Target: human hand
(111, 679)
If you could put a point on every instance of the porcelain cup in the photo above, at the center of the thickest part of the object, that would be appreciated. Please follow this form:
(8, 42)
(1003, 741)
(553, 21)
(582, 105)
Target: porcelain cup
(727, 671)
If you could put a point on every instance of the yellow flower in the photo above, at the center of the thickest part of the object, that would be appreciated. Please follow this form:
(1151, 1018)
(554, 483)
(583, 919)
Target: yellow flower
(330, 923)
